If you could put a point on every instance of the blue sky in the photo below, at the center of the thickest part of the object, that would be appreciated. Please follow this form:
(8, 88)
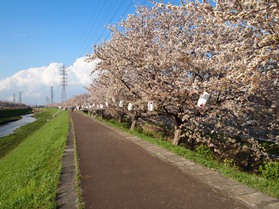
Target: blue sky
(38, 36)
(34, 33)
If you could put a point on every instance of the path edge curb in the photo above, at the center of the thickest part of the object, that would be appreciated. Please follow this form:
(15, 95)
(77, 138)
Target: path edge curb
(67, 194)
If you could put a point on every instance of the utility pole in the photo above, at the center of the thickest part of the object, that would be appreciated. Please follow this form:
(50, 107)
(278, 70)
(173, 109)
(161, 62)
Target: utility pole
(14, 98)
(51, 95)
(19, 97)
(63, 82)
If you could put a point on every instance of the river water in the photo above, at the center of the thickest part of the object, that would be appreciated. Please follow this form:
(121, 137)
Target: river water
(9, 128)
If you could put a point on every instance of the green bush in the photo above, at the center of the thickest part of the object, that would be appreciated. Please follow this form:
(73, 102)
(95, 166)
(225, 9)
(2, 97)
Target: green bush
(205, 151)
(270, 170)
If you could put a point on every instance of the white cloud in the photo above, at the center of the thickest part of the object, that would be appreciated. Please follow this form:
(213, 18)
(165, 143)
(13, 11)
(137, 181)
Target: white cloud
(80, 72)
(35, 83)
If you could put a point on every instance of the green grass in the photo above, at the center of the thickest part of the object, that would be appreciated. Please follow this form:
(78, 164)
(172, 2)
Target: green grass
(270, 187)
(30, 172)
(11, 141)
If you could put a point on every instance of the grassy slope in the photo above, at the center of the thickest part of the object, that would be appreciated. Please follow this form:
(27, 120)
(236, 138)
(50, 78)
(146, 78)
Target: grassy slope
(30, 172)
(11, 141)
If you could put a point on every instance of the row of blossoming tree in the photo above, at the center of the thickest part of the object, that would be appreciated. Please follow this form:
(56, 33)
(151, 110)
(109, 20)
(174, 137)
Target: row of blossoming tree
(170, 54)
(6, 105)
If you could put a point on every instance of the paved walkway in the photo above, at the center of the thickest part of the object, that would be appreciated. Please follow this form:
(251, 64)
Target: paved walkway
(121, 171)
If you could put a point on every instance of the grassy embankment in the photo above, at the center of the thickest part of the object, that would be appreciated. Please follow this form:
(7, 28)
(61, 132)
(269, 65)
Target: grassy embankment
(269, 186)
(7, 116)
(30, 171)
(11, 141)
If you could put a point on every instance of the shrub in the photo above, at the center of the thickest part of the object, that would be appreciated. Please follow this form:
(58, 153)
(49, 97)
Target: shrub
(270, 170)
(205, 151)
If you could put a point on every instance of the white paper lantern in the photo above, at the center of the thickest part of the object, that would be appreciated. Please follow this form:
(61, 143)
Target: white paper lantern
(121, 103)
(130, 106)
(101, 106)
(98, 106)
(107, 104)
(150, 106)
(203, 99)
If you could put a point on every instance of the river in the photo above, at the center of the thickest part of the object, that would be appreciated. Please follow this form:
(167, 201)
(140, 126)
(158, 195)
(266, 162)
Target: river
(9, 128)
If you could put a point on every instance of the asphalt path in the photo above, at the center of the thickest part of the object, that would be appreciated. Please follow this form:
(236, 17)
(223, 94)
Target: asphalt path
(118, 174)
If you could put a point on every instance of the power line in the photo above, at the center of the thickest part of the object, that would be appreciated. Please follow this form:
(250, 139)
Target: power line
(89, 42)
(86, 42)
(128, 7)
(88, 29)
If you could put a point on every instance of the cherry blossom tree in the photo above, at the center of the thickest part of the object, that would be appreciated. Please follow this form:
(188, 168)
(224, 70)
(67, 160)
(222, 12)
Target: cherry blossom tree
(76, 101)
(6, 105)
(169, 54)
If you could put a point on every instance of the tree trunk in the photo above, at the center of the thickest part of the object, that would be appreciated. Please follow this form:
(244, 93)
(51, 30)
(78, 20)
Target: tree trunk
(120, 117)
(177, 134)
(135, 118)
(102, 114)
(133, 125)
(192, 144)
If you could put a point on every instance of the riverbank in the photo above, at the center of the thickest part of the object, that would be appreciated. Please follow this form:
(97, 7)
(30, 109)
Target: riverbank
(8, 143)
(30, 171)
(7, 116)
(11, 127)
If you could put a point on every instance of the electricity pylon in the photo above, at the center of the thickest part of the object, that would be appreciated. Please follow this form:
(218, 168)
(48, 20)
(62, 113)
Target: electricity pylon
(63, 82)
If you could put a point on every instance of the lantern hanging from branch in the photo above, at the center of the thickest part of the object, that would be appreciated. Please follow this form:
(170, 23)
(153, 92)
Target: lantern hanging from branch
(130, 106)
(121, 103)
(150, 106)
(107, 104)
(101, 106)
(203, 99)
